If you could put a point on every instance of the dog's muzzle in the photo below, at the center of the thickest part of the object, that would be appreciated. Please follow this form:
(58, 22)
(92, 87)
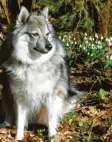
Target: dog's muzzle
(47, 48)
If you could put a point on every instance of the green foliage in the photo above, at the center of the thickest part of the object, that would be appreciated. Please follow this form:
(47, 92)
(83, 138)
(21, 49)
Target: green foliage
(72, 14)
(68, 116)
(70, 45)
(80, 123)
(53, 5)
(107, 63)
(93, 48)
(88, 50)
(103, 94)
(40, 132)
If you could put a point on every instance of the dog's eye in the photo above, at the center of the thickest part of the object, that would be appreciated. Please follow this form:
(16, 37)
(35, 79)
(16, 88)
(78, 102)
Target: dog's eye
(48, 34)
(34, 34)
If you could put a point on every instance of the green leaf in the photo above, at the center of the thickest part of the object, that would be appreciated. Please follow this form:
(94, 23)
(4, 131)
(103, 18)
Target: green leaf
(108, 63)
(40, 131)
(80, 123)
(103, 94)
(68, 116)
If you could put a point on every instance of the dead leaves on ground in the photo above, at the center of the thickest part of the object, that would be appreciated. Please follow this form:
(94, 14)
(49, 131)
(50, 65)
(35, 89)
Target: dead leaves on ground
(90, 124)
(7, 135)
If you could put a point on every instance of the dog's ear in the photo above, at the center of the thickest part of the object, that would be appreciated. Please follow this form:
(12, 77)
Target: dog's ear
(45, 11)
(23, 15)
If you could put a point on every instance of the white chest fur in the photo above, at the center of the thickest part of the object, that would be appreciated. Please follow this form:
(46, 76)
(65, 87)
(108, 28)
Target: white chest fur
(33, 83)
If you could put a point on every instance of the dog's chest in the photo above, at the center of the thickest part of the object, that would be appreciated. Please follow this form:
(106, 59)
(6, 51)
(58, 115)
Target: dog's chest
(38, 80)
(33, 81)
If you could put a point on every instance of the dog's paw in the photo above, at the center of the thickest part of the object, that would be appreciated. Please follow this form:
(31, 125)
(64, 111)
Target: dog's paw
(19, 135)
(5, 124)
(19, 138)
(50, 138)
(53, 138)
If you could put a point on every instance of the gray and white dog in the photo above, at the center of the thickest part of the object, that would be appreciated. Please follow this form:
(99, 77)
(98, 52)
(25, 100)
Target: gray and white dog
(36, 80)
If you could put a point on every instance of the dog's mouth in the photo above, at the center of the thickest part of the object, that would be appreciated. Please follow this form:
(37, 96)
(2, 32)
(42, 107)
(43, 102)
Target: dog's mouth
(41, 51)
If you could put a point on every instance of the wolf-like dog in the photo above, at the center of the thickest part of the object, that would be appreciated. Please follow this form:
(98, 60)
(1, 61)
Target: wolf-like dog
(36, 82)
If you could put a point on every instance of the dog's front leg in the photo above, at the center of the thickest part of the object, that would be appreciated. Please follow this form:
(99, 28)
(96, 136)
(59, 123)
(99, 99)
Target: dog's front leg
(21, 121)
(54, 107)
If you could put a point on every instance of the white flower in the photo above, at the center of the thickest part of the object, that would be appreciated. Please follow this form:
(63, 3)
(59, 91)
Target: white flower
(101, 37)
(99, 42)
(85, 34)
(59, 37)
(96, 35)
(90, 38)
(99, 47)
(85, 38)
(84, 47)
(111, 57)
(106, 39)
(65, 36)
(92, 46)
(88, 53)
(89, 44)
(86, 42)
(109, 41)
(63, 39)
(75, 42)
(80, 46)
(69, 37)
(67, 44)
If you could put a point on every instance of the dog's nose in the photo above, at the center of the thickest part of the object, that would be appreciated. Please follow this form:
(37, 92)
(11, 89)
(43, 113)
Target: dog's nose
(48, 46)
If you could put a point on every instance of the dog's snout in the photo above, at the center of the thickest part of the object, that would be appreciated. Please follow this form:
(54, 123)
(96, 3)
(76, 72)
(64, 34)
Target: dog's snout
(48, 46)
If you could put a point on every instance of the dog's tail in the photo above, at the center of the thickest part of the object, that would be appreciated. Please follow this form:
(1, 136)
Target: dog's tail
(73, 99)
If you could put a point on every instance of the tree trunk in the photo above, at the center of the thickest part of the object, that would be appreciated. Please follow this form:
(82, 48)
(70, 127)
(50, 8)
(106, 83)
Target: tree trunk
(13, 8)
(103, 19)
(27, 4)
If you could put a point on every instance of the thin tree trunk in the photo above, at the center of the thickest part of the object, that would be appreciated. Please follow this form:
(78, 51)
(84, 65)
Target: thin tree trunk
(13, 8)
(103, 19)
(27, 4)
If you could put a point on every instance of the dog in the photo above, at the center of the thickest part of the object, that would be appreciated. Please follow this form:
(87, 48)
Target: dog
(36, 84)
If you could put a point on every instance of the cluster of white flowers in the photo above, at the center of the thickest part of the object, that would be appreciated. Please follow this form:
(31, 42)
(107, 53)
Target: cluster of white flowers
(93, 47)
(69, 42)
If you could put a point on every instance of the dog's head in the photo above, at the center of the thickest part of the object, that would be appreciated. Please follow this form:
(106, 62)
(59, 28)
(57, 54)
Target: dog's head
(33, 36)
